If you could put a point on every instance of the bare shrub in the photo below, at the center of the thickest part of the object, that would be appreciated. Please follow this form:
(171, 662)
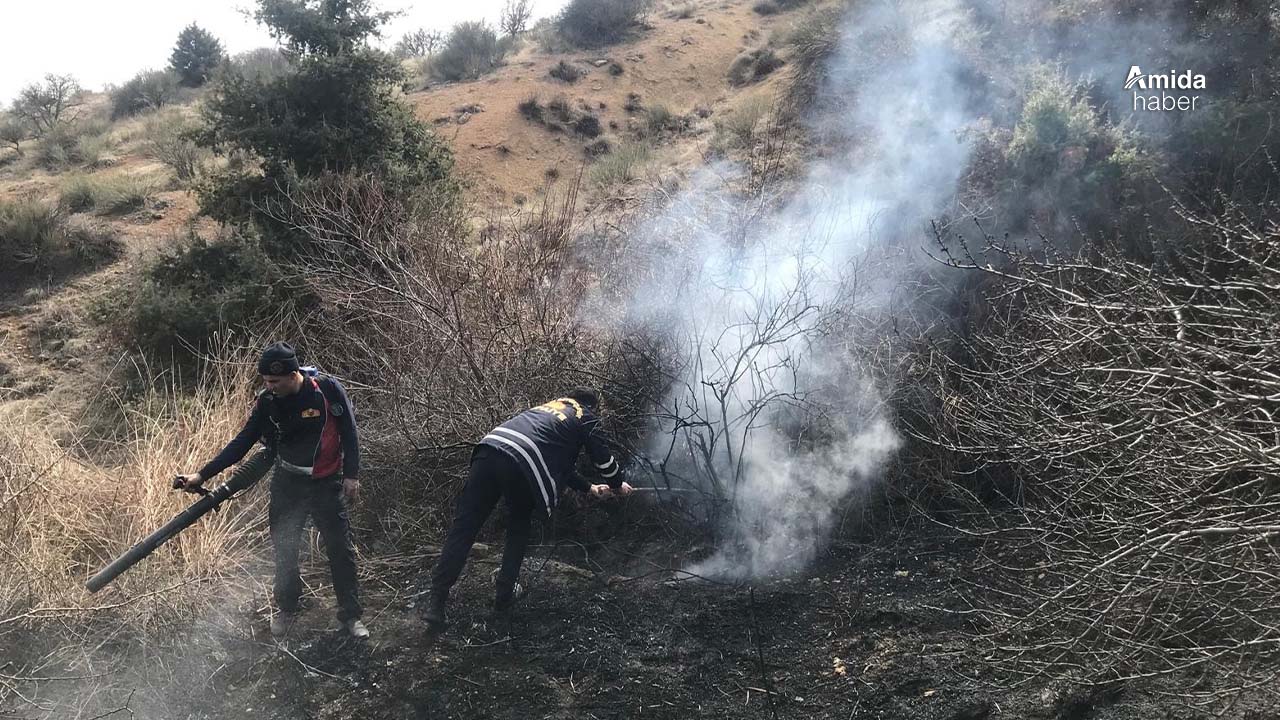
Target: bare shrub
(515, 17)
(48, 105)
(660, 120)
(472, 332)
(419, 43)
(1135, 404)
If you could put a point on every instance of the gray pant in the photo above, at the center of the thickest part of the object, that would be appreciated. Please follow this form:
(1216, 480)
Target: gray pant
(293, 498)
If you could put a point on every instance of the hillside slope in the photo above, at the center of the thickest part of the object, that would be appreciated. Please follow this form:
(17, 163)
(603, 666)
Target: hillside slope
(678, 62)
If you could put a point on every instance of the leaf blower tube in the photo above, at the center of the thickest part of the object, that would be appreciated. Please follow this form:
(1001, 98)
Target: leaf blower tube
(243, 478)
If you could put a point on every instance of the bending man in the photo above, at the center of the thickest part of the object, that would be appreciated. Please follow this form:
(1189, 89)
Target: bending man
(527, 459)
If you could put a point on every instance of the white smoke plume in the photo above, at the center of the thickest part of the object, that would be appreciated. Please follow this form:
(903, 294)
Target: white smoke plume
(769, 413)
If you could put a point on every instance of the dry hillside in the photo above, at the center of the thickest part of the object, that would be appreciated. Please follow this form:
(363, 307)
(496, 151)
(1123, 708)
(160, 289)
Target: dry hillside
(678, 64)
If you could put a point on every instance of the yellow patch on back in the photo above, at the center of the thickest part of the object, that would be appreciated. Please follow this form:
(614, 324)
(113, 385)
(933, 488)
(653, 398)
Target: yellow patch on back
(560, 407)
(310, 413)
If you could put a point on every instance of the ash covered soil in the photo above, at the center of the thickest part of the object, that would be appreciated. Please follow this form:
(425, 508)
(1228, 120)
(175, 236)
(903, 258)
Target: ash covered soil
(870, 631)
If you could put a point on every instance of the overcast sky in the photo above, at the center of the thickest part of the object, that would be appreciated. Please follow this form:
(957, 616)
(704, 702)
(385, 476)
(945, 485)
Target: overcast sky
(109, 41)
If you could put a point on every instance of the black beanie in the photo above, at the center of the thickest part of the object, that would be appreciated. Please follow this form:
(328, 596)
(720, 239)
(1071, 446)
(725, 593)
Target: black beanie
(586, 396)
(278, 359)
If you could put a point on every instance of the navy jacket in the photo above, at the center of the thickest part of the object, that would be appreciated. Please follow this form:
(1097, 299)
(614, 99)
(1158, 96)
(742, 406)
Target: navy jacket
(545, 442)
(314, 428)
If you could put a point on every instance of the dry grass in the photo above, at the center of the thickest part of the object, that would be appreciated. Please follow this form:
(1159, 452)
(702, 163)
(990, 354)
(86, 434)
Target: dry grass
(626, 163)
(741, 127)
(62, 517)
(109, 194)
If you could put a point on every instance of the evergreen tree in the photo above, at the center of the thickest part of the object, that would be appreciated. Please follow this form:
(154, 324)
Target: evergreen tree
(336, 110)
(195, 55)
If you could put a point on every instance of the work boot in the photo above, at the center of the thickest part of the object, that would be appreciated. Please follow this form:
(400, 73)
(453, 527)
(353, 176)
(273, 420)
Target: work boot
(506, 597)
(434, 614)
(282, 622)
(356, 628)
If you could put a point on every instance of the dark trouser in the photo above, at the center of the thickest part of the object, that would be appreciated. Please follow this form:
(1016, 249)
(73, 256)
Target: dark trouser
(293, 498)
(493, 475)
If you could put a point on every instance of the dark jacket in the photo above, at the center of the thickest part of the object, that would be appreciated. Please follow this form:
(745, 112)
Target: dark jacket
(545, 442)
(314, 428)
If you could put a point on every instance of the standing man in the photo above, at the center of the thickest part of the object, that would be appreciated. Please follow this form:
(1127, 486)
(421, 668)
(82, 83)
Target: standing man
(526, 459)
(308, 421)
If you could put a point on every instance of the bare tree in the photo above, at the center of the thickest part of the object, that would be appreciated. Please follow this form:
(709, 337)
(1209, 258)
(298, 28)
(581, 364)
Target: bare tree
(419, 43)
(515, 17)
(46, 106)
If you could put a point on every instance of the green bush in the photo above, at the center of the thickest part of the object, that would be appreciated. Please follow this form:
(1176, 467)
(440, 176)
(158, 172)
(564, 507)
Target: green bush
(471, 50)
(591, 23)
(1061, 155)
(192, 291)
(79, 194)
(148, 90)
(57, 150)
(84, 142)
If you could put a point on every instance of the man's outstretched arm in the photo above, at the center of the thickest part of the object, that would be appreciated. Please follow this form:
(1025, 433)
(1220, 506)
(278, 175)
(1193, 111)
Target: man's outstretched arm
(603, 460)
(232, 453)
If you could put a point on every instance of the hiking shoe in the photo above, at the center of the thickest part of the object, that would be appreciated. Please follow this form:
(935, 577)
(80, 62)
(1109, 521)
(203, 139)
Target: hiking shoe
(506, 597)
(434, 614)
(356, 628)
(282, 622)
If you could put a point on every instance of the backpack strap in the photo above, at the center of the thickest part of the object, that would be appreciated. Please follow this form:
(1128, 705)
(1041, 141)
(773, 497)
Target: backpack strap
(332, 402)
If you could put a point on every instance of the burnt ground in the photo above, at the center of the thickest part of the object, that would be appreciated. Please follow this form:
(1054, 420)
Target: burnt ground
(870, 631)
